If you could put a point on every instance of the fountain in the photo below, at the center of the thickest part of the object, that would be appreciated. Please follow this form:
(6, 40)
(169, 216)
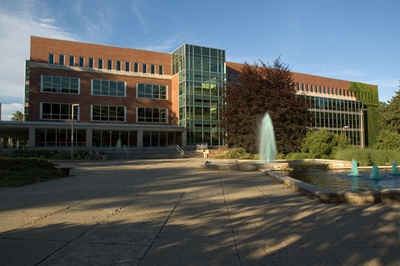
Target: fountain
(354, 176)
(374, 173)
(267, 146)
(395, 170)
(118, 144)
(354, 169)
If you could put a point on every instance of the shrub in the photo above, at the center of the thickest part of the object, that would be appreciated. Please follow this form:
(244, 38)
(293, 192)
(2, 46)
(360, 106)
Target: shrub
(299, 156)
(322, 143)
(388, 140)
(367, 156)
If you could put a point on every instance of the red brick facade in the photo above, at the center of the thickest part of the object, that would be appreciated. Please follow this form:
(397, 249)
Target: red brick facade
(42, 47)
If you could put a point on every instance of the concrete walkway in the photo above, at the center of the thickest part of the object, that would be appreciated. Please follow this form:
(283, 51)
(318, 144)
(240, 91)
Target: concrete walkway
(159, 212)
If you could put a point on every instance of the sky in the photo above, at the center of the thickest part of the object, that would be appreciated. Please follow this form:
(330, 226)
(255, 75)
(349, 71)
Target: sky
(354, 40)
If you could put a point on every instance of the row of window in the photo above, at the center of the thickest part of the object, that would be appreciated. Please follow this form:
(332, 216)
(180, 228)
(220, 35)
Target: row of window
(323, 89)
(314, 102)
(108, 88)
(152, 91)
(152, 115)
(61, 137)
(60, 84)
(117, 65)
(102, 112)
(71, 85)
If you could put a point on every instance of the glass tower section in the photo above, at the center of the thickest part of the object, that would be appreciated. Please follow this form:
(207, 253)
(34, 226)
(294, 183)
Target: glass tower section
(202, 80)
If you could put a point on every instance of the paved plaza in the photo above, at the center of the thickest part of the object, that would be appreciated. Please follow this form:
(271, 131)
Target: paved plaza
(172, 212)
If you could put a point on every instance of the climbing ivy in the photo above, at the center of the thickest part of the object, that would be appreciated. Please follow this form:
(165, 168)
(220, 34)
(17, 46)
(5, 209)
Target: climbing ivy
(368, 95)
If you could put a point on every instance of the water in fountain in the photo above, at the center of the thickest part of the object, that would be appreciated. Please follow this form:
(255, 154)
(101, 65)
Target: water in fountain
(118, 144)
(374, 173)
(354, 169)
(395, 170)
(267, 146)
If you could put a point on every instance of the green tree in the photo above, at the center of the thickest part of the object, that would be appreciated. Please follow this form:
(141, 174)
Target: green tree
(388, 140)
(258, 89)
(17, 116)
(322, 143)
(390, 113)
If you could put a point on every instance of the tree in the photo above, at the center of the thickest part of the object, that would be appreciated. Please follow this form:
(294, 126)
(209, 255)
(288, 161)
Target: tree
(391, 113)
(388, 140)
(17, 116)
(258, 89)
(322, 143)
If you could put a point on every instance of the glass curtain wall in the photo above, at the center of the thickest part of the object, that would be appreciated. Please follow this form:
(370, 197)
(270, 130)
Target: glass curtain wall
(338, 115)
(202, 80)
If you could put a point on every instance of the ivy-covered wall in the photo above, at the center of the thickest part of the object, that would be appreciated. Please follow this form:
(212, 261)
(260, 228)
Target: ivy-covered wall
(368, 95)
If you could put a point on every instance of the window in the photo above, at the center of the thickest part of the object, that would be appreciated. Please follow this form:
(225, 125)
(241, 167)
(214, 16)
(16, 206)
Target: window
(152, 69)
(58, 111)
(71, 60)
(91, 62)
(100, 63)
(60, 84)
(118, 65)
(106, 112)
(61, 59)
(160, 70)
(51, 59)
(81, 61)
(108, 88)
(135, 67)
(109, 64)
(114, 138)
(144, 70)
(59, 137)
(152, 115)
(127, 66)
(152, 91)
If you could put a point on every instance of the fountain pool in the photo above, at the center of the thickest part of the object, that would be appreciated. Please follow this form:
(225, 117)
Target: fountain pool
(340, 180)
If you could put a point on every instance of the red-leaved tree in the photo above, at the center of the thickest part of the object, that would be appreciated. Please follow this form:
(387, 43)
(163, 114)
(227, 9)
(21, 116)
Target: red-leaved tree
(261, 88)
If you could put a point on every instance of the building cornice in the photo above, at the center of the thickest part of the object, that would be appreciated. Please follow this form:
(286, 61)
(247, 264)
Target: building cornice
(99, 71)
(109, 126)
(326, 95)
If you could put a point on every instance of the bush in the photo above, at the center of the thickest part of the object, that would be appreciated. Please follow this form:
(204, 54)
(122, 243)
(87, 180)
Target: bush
(388, 140)
(322, 143)
(236, 153)
(367, 156)
(299, 156)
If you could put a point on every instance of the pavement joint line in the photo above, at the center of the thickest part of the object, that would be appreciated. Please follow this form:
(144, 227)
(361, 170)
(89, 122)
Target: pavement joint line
(82, 234)
(147, 250)
(22, 239)
(229, 211)
(76, 203)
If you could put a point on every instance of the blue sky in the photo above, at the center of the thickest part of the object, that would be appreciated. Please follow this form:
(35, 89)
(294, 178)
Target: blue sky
(351, 40)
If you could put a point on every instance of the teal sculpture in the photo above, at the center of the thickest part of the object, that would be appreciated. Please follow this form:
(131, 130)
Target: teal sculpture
(374, 173)
(354, 169)
(395, 170)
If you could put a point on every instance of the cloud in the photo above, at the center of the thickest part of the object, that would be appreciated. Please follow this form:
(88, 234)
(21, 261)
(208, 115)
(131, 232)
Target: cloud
(16, 29)
(386, 88)
(167, 45)
(138, 14)
(8, 109)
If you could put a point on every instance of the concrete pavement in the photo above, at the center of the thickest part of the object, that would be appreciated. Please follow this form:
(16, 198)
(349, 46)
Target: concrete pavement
(171, 212)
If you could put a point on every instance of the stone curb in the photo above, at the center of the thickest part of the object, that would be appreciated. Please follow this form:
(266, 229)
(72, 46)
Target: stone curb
(386, 196)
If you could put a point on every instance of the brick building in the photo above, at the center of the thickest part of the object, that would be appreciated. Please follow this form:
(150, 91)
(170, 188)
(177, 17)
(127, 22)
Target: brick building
(130, 98)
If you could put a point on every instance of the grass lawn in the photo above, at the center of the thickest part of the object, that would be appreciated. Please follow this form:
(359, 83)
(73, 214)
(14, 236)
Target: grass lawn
(22, 171)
